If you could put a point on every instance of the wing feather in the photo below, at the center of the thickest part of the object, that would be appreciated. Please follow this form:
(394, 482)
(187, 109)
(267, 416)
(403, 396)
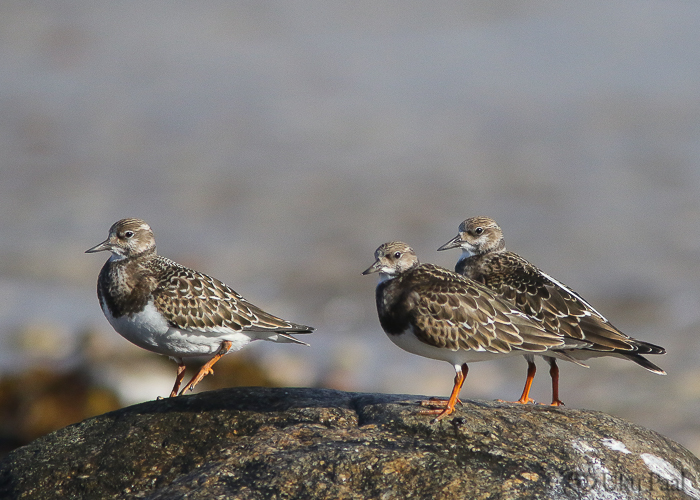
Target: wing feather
(446, 310)
(194, 301)
(557, 306)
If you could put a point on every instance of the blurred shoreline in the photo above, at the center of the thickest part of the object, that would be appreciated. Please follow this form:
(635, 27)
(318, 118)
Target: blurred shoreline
(276, 145)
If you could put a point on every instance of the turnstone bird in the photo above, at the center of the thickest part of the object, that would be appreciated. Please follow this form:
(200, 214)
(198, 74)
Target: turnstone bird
(485, 260)
(435, 313)
(169, 309)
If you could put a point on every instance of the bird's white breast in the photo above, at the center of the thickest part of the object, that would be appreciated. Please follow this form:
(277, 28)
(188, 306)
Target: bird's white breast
(409, 342)
(149, 330)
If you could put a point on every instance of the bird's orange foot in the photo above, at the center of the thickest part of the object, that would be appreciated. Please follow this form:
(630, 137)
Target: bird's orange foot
(440, 413)
(440, 407)
(438, 402)
(521, 401)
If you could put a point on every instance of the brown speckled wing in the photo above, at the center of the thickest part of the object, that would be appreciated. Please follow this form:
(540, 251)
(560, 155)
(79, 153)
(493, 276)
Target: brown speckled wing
(450, 312)
(194, 301)
(557, 306)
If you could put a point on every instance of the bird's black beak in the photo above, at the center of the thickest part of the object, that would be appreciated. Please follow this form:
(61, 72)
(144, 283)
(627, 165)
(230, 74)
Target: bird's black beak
(455, 242)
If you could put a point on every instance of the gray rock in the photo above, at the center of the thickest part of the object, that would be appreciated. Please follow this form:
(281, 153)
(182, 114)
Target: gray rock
(251, 443)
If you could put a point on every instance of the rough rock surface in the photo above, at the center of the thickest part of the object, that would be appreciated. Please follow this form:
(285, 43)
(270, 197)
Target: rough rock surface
(251, 443)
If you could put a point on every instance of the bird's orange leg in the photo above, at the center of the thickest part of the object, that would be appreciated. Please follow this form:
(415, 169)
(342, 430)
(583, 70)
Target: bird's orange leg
(178, 380)
(525, 397)
(460, 377)
(554, 373)
(206, 369)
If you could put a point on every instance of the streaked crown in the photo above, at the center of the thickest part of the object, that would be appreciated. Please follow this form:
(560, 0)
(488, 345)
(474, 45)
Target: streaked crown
(393, 258)
(128, 238)
(477, 235)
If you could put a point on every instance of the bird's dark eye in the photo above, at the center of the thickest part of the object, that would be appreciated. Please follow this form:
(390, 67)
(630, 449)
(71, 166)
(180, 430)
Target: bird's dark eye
(397, 255)
(478, 230)
(128, 234)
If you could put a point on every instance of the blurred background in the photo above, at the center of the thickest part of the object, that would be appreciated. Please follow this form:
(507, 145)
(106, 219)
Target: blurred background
(275, 145)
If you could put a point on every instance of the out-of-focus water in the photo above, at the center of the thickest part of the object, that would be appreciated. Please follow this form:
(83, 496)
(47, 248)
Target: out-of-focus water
(276, 145)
